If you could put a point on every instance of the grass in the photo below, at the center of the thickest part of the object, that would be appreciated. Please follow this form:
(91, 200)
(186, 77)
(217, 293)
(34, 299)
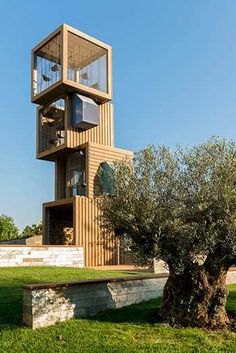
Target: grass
(12, 279)
(125, 330)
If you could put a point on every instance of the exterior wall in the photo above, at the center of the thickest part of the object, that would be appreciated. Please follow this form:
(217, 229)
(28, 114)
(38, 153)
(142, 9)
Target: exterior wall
(20, 255)
(102, 134)
(159, 266)
(45, 305)
(100, 247)
(231, 276)
(36, 240)
(98, 154)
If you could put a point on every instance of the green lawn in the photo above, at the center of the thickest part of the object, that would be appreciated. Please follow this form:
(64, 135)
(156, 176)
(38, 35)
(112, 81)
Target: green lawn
(125, 330)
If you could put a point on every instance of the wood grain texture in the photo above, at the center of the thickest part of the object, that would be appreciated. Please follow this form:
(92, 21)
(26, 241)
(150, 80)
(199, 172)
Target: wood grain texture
(96, 155)
(102, 134)
(100, 246)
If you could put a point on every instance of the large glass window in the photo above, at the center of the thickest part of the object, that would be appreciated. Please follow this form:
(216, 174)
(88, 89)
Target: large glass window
(47, 64)
(52, 125)
(87, 63)
(76, 176)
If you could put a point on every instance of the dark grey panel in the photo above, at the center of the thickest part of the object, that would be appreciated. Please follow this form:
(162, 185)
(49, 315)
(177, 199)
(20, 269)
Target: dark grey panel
(84, 112)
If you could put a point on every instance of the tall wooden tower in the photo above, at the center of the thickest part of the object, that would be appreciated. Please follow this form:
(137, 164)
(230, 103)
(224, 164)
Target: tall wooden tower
(72, 86)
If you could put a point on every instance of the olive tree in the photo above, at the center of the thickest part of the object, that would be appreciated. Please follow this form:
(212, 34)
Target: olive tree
(180, 207)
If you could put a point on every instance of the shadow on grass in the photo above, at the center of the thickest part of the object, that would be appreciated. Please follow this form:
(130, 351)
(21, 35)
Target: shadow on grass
(143, 312)
(135, 314)
(11, 302)
(12, 279)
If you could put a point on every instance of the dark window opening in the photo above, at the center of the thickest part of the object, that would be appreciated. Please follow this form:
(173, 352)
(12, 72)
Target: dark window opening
(60, 225)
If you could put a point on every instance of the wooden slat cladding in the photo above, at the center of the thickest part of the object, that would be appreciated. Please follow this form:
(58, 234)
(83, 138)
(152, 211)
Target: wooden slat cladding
(98, 154)
(99, 246)
(102, 134)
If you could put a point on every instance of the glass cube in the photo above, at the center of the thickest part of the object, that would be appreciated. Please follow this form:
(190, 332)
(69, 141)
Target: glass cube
(71, 61)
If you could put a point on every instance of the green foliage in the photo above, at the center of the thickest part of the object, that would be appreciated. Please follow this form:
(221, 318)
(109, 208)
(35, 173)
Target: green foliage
(33, 230)
(115, 331)
(8, 230)
(176, 206)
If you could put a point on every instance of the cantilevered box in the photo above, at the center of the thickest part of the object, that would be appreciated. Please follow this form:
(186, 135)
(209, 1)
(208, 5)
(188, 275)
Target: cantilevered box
(71, 61)
(85, 112)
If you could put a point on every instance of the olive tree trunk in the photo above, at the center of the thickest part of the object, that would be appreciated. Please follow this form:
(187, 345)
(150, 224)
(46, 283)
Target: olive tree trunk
(196, 299)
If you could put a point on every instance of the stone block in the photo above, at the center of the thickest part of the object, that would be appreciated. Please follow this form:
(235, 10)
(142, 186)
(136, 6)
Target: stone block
(41, 256)
(50, 305)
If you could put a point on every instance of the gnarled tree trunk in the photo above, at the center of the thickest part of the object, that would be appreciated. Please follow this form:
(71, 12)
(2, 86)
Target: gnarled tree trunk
(196, 298)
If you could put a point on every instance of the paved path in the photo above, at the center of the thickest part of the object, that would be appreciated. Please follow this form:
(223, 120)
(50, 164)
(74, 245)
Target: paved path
(121, 268)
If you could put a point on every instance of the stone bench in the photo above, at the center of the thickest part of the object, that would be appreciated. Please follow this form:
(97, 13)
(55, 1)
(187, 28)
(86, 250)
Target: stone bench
(46, 304)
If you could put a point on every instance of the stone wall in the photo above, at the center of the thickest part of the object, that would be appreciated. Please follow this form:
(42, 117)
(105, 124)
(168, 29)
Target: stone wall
(159, 266)
(231, 276)
(45, 305)
(20, 255)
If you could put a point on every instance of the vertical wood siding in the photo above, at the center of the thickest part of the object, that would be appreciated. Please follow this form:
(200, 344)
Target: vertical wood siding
(99, 246)
(102, 134)
(98, 154)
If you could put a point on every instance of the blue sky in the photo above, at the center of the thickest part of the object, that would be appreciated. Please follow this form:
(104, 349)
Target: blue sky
(174, 76)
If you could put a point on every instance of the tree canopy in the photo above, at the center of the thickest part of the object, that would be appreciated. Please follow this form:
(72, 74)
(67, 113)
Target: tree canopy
(8, 230)
(33, 230)
(178, 206)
